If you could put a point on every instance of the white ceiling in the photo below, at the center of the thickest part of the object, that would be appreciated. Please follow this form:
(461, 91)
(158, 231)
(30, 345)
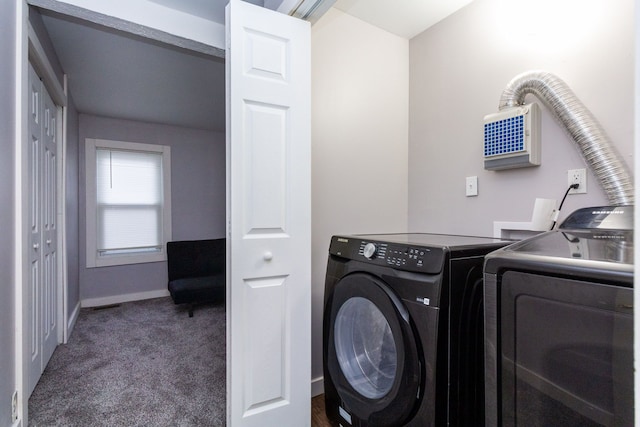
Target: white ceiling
(118, 75)
(405, 18)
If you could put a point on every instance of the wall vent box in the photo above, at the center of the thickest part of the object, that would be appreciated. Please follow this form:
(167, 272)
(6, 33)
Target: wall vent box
(512, 138)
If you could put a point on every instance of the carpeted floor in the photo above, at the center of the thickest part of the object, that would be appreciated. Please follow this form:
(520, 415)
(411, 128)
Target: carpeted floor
(143, 363)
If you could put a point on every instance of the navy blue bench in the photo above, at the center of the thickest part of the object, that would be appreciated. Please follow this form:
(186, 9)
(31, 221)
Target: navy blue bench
(197, 271)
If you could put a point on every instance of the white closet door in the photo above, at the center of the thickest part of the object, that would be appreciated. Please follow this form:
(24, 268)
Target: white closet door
(49, 230)
(43, 277)
(35, 228)
(269, 213)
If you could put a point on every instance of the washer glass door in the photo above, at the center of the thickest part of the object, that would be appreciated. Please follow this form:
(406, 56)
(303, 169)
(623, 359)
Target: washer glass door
(372, 355)
(365, 348)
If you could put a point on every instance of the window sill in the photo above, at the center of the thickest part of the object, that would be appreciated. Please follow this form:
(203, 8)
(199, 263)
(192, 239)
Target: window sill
(114, 260)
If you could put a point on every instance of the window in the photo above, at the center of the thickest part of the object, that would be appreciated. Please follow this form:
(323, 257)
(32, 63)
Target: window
(128, 198)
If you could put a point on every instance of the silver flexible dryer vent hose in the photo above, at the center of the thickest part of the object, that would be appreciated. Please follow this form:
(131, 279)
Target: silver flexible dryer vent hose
(594, 144)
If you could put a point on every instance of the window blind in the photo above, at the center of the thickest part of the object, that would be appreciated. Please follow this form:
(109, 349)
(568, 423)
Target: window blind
(129, 201)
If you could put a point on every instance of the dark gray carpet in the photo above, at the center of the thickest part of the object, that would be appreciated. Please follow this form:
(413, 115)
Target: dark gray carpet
(144, 363)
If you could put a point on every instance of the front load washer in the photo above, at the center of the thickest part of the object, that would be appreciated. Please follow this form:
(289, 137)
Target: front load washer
(403, 330)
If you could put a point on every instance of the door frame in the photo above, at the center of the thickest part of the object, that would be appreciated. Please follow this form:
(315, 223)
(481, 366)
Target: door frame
(30, 50)
(58, 93)
(92, 11)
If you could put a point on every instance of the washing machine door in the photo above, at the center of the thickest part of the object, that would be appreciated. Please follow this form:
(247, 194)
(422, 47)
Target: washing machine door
(372, 355)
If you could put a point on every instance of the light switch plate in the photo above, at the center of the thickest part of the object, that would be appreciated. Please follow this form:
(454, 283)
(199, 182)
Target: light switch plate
(472, 186)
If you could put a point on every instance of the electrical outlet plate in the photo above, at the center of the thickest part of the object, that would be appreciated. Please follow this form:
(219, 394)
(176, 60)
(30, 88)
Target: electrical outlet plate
(577, 176)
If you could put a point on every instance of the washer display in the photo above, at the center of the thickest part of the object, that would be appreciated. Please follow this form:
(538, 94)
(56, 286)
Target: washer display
(403, 330)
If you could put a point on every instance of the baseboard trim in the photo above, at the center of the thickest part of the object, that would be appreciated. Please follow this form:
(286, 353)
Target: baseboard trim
(317, 386)
(71, 323)
(117, 299)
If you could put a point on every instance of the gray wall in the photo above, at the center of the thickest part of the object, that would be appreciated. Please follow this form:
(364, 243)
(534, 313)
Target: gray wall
(459, 68)
(359, 142)
(7, 183)
(198, 207)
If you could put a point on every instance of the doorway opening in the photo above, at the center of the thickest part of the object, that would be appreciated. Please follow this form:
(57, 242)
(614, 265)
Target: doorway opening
(126, 87)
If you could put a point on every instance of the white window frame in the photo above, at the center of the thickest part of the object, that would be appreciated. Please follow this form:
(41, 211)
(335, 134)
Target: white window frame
(92, 257)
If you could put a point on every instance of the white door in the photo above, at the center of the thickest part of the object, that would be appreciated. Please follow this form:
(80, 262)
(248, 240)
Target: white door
(49, 230)
(35, 228)
(43, 290)
(269, 214)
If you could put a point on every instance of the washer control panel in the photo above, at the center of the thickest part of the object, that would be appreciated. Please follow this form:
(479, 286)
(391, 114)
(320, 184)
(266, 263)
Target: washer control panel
(399, 257)
(404, 257)
(428, 253)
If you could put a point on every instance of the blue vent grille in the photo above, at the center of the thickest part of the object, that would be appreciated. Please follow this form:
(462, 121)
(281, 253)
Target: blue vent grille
(504, 136)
